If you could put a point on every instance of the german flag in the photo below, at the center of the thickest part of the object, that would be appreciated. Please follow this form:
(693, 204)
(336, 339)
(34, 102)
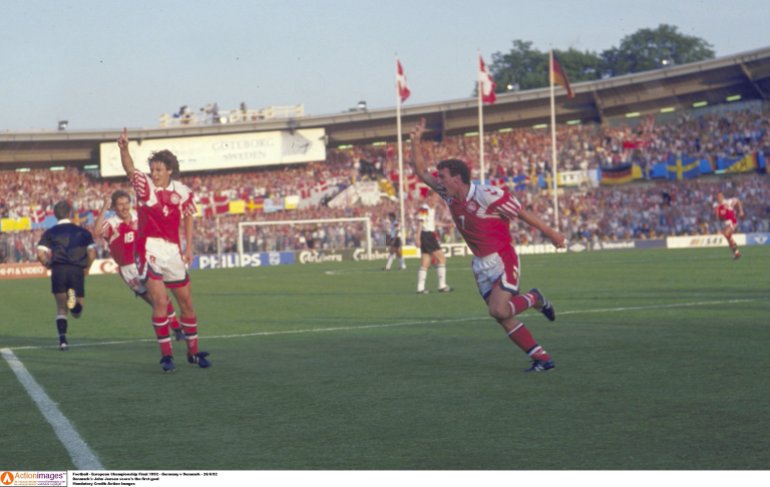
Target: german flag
(621, 174)
(559, 77)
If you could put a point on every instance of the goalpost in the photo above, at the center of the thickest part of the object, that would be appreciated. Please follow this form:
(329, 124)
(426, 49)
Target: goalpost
(365, 220)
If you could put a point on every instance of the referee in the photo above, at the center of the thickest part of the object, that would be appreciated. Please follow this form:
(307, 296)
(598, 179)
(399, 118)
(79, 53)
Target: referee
(68, 250)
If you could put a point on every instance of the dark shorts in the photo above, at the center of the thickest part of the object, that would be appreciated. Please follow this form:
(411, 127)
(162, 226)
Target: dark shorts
(428, 242)
(394, 243)
(65, 277)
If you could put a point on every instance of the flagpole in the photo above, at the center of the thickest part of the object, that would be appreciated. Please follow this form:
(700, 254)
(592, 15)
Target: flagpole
(553, 142)
(481, 129)
(213, 206)
(401, 222)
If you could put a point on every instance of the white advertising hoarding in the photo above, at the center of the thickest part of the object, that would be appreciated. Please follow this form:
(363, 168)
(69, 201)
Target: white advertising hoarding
(204, 153)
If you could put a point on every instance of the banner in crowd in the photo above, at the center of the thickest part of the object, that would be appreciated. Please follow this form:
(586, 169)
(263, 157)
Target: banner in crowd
(8, 225)
(222, 151)
(744, 163)
(366, 193)
(620, 174)
(237, 207)
(578, 178)
(271, 205)
(681, 167)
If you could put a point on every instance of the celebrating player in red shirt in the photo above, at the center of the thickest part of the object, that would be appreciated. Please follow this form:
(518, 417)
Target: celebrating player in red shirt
(482, 214)
(725, 211)
(119, 231)
(164, 205)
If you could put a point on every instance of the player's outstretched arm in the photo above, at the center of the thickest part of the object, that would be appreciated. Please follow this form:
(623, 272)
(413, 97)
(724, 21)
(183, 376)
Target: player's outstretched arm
(98, 230)
(558, 240)
(125, 156)
(418, 159)
(739, 207)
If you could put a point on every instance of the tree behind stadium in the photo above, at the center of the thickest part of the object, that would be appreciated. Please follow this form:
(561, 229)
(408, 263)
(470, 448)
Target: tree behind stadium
(524, 68)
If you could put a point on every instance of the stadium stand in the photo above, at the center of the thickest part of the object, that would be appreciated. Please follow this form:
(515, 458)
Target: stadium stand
(519, 159)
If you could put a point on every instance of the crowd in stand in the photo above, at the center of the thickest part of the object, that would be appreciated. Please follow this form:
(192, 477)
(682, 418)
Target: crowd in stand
(639, 210)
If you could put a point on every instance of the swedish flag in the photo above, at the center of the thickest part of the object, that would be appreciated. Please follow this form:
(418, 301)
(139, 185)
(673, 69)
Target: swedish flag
(683, 167)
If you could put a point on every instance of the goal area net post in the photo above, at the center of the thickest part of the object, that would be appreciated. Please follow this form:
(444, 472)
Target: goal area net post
(366, 221)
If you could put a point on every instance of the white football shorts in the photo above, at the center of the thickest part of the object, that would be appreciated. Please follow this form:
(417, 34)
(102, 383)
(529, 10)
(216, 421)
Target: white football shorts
(163, 261)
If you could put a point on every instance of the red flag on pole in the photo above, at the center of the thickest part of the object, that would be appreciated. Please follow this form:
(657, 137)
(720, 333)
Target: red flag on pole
(403, 89)
(560, 77)
(487, 85)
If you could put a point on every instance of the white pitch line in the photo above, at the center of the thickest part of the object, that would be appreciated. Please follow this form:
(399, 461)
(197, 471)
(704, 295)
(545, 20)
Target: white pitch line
(656, 306)
(404, 323)
(79, 451)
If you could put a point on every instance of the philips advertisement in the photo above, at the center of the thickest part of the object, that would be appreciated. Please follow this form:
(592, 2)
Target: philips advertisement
(256, 259)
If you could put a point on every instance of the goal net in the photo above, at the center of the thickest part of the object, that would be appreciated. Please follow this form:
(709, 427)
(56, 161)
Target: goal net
(338, 233)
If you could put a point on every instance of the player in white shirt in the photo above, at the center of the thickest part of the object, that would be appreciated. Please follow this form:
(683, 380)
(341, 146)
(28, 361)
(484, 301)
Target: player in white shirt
(482, 214)
(427, 240)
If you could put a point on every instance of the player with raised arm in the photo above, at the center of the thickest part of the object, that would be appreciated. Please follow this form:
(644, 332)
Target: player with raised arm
(119, 231)
(482, 214)
(164, 205)
(725, 210)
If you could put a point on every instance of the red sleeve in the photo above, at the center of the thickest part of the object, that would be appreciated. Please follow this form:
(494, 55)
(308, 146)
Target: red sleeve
(506, 206)
(188, 206)
(141, 184)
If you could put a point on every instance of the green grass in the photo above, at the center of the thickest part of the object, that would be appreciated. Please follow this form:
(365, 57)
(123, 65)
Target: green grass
(662, 360)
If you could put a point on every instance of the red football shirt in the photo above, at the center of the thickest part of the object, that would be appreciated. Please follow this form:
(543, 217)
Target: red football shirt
(726, 211)
(121, 236)
(160, 209)
(483, 218)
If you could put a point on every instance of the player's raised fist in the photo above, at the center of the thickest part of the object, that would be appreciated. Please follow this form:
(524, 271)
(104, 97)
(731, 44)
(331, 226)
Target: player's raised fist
(123, 139)
(418, 130)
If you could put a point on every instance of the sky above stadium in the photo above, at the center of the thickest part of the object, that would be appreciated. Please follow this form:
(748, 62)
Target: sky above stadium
(104, 64)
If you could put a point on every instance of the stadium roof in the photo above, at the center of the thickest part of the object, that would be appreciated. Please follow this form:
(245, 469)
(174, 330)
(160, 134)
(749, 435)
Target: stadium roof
(745, 75)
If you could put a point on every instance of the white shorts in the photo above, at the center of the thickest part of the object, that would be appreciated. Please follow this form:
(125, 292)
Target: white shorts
(162, 260)
(728, 225)
(502, 267)
(130, 275)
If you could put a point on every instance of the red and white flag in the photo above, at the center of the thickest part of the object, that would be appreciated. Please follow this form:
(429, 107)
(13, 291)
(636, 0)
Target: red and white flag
(36, 214)
(216, 204)
(403, 89)
(486, 83)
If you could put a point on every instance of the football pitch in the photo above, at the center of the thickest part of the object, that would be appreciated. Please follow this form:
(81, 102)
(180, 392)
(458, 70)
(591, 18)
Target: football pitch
(662, 361)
